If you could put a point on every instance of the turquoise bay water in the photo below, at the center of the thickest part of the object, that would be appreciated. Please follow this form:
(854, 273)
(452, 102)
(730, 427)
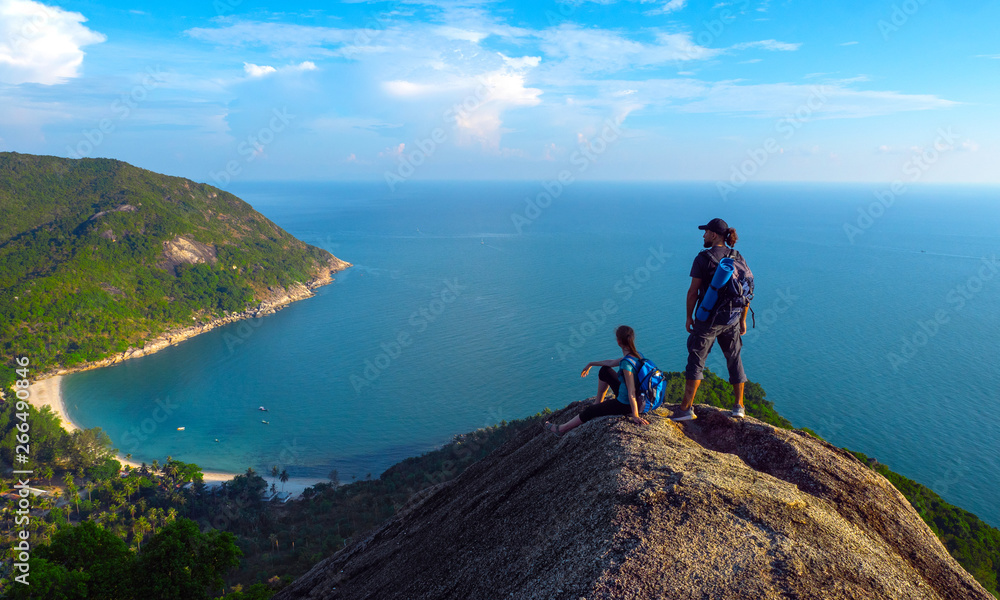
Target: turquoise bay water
(885, 342)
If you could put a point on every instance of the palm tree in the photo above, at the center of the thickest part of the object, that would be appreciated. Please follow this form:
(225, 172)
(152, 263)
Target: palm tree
(274, 473)
(171, 470)
(334, 477)
(130, 486)
(284, 478)
(71, 491)
(140, 527)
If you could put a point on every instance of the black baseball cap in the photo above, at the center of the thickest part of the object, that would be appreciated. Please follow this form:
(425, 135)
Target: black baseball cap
(717, 225)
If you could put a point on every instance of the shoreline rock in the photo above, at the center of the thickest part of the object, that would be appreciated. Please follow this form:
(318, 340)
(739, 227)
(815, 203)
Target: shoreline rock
(277, 299)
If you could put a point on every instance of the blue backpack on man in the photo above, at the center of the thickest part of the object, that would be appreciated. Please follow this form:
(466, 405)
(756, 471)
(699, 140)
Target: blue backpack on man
(735, 294)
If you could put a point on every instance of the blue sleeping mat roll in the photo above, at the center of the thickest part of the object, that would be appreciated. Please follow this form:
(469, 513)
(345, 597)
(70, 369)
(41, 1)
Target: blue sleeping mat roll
(721, 277)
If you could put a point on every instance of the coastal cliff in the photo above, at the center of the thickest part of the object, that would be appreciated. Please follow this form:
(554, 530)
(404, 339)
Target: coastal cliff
(713, 508)
(101, 261)
(274, 300)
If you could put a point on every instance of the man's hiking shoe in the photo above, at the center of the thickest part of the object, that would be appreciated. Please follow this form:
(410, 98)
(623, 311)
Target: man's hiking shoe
(684, 415)
(739, 412)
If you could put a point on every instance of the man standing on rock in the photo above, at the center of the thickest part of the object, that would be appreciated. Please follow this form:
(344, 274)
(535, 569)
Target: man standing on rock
(726, 328)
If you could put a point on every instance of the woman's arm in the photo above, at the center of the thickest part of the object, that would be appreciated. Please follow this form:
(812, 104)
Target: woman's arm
(630, 384)
(613, 362)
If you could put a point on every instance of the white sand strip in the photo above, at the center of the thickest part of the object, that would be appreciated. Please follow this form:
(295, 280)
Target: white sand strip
(48, 392)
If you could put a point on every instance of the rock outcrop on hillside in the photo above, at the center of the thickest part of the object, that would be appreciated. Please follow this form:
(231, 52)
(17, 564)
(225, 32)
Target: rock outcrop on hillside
(713, 508)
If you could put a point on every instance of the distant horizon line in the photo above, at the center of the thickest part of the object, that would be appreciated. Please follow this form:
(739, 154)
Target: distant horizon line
(379, 181)
(613, 181)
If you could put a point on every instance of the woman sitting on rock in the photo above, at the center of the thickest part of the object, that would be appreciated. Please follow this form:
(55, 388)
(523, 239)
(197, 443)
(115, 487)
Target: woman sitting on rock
(622, 404)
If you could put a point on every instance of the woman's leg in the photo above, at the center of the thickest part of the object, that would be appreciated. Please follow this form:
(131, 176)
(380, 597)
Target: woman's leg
(606, 378)
(572, 424)
(601, 409)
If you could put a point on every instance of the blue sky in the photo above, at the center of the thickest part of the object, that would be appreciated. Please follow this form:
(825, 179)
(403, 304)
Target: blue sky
(225, 90)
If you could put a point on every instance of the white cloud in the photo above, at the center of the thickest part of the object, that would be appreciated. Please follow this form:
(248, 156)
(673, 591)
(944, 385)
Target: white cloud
(455, 33)
(669, 7)
(264, 70)
(41, 44)
(393, 152)
(409, 89)
(818, 101)
(773, 45)
(479, 118)
(597, 50)
(258, 71)
(521, 63)
(286, 38)
(849, 44)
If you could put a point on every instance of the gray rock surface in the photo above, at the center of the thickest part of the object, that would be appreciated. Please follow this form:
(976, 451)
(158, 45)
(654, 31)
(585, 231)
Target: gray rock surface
(709, 509)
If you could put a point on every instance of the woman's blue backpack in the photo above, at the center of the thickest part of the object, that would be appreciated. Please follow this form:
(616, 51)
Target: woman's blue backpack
(650, 384)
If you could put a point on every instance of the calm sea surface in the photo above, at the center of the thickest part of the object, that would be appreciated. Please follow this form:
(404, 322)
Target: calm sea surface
(883, 339)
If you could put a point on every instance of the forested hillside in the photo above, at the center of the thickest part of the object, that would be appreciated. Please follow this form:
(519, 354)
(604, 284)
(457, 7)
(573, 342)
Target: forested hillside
(97, 255)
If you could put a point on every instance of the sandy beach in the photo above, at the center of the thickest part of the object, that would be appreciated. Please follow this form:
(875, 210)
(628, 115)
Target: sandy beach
(48, 392)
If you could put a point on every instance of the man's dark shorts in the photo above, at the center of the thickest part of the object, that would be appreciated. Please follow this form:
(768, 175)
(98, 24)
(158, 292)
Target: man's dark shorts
(700, 344)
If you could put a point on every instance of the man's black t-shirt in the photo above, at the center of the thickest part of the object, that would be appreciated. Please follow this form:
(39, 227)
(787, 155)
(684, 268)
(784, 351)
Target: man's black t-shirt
(704, 269)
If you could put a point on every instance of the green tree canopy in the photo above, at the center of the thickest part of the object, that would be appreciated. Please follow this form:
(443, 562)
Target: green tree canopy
(182, 562)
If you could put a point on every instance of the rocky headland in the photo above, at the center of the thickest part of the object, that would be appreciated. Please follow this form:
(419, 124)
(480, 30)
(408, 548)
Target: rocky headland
(276, 298)
(714, 508)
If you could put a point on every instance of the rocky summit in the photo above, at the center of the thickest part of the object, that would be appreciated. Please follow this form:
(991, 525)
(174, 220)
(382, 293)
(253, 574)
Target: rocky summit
(715, 508)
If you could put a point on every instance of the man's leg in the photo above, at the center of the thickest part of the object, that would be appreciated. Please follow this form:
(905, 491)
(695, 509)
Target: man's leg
(732, 345)
(738, 392)
(690, 389)
(699, 344)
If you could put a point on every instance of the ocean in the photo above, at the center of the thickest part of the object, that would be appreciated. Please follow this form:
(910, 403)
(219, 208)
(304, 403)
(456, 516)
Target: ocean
(474, 303)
